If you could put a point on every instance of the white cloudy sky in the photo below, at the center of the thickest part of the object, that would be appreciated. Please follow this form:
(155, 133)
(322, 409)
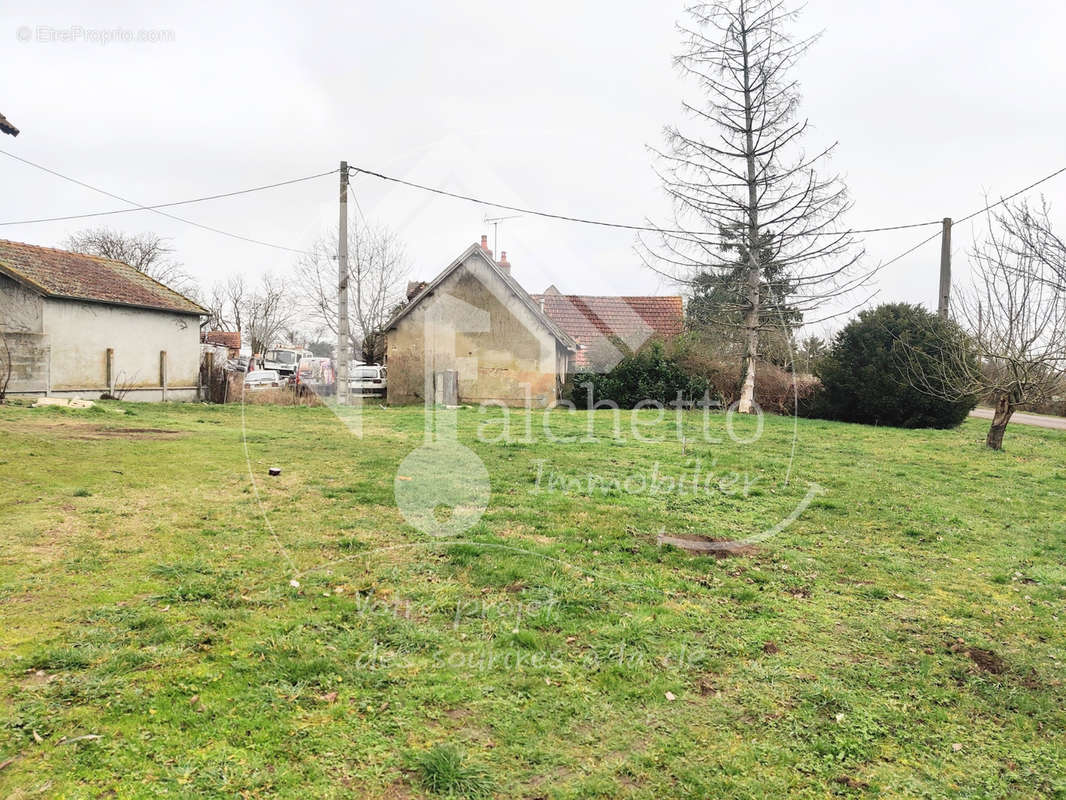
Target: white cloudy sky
(547, 104)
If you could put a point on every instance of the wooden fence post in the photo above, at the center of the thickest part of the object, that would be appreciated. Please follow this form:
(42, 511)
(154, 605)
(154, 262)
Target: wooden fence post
(111, 371)
(163, 372)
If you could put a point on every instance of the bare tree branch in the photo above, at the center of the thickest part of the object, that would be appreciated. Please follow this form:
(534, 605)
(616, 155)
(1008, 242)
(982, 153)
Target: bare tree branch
(145, 252)
(377, 269)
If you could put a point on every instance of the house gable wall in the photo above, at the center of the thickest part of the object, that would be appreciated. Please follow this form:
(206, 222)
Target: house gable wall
(513, 361)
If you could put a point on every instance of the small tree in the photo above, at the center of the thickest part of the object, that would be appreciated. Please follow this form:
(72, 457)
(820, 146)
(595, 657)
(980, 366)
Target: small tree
(865, 375)
(267, 310)
(811, 350)
(1015, 314)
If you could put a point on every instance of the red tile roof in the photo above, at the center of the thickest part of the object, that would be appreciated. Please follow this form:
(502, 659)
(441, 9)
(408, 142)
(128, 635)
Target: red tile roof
(60, 273)
(634, 320)
(230, 339)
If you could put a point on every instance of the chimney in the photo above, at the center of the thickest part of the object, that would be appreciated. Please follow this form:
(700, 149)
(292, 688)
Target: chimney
(485, 245)
(504, 263)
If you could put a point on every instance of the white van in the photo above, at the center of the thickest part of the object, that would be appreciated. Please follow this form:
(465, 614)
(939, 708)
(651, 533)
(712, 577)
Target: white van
(367, 379)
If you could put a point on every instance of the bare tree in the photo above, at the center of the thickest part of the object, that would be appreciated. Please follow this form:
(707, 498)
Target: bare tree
(1034, 237)
(226, 304)
(1016, 319)
(750, 206)
(145, 252)
(377, 268)
(267, 311)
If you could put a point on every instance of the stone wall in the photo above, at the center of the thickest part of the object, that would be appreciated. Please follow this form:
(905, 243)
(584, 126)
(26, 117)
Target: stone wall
(474, 324)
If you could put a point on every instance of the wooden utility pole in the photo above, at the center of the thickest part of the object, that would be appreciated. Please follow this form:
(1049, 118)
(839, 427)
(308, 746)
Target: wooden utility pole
(945, 270)
(342, 291)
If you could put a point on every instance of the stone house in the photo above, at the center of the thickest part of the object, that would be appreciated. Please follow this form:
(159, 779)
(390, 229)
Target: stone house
(77, 325)
(508, 346)
(474, 318)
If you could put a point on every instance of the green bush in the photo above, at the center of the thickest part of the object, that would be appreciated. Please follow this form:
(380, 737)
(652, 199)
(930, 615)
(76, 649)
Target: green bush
(865, 376)
(649, 374)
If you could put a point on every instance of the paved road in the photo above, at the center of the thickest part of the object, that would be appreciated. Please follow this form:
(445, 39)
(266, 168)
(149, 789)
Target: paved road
(1039, 420)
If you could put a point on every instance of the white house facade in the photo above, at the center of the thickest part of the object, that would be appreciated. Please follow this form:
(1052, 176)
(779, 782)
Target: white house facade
(75, 325)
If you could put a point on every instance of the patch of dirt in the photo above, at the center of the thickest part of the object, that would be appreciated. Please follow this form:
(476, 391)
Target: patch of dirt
(770, 648)
(1030, 680)
(851, 783)
(85, 431)
(394, 791)
(36, 678)
(987, 660)
(707, 545)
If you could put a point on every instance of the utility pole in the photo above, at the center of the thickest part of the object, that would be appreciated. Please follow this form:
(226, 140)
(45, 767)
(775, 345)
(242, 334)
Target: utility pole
(342, 291)
(945, 270)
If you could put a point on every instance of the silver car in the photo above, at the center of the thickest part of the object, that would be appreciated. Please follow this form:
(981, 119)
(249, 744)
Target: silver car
(263, 379)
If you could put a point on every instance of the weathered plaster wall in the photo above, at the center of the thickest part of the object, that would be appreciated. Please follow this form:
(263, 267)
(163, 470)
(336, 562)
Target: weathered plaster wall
(21, 321)
(20, 309)
(478, 327)
(80, 334)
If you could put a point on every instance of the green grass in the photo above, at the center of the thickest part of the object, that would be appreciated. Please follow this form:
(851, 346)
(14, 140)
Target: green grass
(903, 637)
(442, 770)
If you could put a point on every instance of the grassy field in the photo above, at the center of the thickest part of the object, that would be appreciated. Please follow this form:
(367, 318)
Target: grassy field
(172, 627)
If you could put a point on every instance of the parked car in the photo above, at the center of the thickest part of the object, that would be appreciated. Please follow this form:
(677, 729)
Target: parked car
(263, 379)
(315, 375)
(238, 364)
(367, 379)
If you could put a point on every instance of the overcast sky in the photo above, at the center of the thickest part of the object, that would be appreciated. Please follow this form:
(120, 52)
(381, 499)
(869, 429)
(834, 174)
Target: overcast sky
(546, 105)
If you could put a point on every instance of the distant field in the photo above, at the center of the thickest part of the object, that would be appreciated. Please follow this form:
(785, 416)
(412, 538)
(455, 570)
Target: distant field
(902, 637)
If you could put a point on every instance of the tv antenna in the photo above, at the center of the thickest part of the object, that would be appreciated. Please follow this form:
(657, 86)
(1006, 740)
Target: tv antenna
(496, 230)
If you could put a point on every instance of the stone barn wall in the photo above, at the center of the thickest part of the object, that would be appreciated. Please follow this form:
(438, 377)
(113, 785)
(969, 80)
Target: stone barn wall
(477, 326)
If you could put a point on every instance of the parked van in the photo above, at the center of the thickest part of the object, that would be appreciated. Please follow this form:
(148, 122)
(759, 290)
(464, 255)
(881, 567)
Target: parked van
(367, 379)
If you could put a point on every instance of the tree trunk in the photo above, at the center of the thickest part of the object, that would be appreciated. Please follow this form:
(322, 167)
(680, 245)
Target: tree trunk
(746, 403)
(1000, 418)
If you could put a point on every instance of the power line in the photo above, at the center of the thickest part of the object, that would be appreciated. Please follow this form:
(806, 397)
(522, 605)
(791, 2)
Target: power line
(968, 217)
(603, 223)
(155, 206)
(1012, 196)
(155, 209)
(907, 252)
